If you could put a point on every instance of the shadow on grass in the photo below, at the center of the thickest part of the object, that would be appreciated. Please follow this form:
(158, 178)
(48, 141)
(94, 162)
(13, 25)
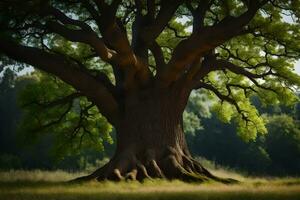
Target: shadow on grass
(295, 182)
(45, 190)
(33, 184)
(154, 196)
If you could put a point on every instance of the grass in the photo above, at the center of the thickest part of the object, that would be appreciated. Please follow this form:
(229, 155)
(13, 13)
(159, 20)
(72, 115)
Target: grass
(45, 185)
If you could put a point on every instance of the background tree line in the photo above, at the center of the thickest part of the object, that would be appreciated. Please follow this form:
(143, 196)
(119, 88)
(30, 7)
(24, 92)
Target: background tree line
(276, 153)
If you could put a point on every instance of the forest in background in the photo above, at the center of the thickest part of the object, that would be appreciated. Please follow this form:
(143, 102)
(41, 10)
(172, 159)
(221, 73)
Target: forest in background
(277, 153)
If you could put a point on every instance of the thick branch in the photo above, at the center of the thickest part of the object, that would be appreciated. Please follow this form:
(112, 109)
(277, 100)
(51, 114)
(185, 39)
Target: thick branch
(199, 13)
(66, 20)
(84, 35)
(135, 69)
(204, 40)
(224, 64)
(176, 32)
(151, 9)
(54, 122)
(158, 55)
(68, 72)
(113, 36)
(58, 102)
(165, 14)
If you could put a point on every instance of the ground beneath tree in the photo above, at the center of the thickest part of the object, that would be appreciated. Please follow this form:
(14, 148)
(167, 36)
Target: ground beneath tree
(41, 185)
(174, 164)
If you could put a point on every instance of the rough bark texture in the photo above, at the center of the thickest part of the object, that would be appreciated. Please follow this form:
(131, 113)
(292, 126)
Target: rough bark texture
(151, 142)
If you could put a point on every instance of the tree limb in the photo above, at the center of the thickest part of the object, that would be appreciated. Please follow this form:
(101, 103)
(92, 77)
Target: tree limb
(221, 64)
(54, 122)
(85, 35)
(199, 13)
(57, 102)
(224, 64)
(68, 72)
(203, 40)
(223, 97)
(158, 55)
(165, 14)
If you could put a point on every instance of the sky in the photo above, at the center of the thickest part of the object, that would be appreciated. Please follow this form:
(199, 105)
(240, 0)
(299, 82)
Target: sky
(297, 67)
(289, 19)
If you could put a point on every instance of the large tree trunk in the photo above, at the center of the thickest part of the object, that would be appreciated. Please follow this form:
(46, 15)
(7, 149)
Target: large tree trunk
(151, 142)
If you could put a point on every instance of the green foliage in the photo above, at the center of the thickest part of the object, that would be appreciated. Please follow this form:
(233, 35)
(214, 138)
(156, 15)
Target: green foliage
(249, 128)
(270, 46)
(243, 113)
(168, 39)
(197, 108)
(75, 124)
(276, 153)
(191, 122)
(240, 89)
(267, 46)
(224, 111)
(283, 144)
(8, 162)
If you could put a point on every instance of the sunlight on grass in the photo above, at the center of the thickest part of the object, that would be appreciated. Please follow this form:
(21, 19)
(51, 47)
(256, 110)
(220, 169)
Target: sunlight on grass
(38, 185)
(36, 176)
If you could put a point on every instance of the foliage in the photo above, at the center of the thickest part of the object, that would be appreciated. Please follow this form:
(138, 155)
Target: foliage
(101, 56)
(9, 162)
(74, 125)
(196, 109)
(253, 57)
(28, 150)
(276, 153)
(9, 115)
(283, 145)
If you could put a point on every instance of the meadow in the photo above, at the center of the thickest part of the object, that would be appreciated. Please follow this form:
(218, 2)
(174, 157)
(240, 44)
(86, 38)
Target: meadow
(46, 185)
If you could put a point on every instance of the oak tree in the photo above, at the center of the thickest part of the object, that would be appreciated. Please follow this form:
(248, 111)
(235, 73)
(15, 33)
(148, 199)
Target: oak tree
(136, 62)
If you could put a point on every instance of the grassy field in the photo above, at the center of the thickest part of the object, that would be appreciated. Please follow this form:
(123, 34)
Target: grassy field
(43, 185)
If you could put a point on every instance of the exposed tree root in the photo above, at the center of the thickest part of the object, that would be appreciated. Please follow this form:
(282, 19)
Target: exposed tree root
(127, 166)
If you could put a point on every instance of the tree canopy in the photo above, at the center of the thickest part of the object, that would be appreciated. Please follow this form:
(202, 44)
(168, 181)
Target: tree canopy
(107, 50)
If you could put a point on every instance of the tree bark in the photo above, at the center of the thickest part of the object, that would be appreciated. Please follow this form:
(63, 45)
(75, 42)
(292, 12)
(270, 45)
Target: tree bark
(151, 141)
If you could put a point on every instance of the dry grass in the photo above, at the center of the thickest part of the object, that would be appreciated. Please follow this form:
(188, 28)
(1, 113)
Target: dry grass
(36, 176)
(37, 185)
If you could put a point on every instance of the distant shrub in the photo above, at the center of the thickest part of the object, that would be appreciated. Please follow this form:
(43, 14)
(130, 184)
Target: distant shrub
(9, 161)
